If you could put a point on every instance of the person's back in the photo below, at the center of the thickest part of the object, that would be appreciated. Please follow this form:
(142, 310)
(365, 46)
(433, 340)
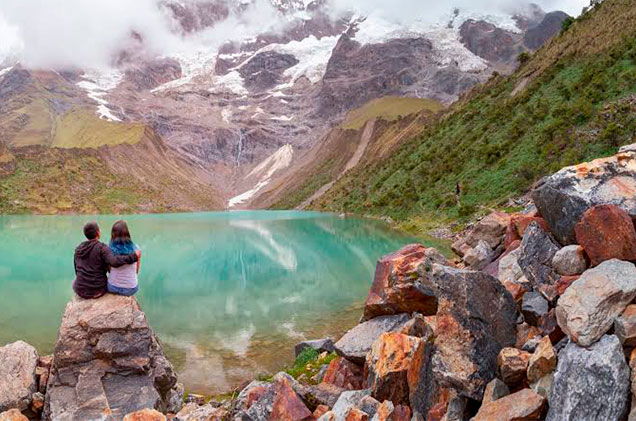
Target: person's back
(123, 280)
(92, 260)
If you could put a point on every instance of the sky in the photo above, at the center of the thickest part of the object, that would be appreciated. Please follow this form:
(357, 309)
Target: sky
(88, 33)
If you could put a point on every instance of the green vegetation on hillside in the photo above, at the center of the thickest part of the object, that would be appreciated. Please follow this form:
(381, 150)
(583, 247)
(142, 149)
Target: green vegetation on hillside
(388, 108)
(84, 129)
(577, 104)
(49, 183)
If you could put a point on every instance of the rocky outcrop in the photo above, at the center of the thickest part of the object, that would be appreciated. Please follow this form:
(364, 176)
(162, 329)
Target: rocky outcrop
(18, 362)
(398, 286)
(590, 383)
(588, 308)
(564, 197)
(107, 362)
(475, 320)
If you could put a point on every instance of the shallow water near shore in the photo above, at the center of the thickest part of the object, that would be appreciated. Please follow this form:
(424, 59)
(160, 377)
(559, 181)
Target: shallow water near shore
(228, 293)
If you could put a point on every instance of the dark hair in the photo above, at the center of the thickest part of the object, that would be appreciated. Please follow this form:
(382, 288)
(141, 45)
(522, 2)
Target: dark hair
(120, 233)
(91, 229)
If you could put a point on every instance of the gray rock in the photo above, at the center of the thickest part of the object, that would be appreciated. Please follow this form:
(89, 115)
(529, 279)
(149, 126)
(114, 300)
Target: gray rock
(174, 398)
(625, 326)
(496, 389)
(535, 259)
(588, 308)
(456, 410)
(563, 197)
(241, 400)
(479, 256)
(369, 405)
(347, 400)
(320, 345)
(357, 342)
(533, 307)
(590, 383)
(531, 344)
(17, 375)
(509, 269)
(570, 261)
(107, 362)
(543, 386)
(206, 412)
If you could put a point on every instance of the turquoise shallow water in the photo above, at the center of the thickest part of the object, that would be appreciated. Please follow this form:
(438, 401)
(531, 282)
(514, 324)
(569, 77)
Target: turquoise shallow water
(228, 293)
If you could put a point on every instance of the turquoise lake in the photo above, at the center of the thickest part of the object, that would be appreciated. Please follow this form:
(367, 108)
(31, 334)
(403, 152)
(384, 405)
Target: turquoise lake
(228, 293)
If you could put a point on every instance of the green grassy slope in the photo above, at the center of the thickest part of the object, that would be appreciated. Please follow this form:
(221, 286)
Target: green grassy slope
(577, 104)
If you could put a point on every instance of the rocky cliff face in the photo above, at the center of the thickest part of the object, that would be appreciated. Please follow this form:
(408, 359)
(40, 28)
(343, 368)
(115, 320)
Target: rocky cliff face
(230, 110)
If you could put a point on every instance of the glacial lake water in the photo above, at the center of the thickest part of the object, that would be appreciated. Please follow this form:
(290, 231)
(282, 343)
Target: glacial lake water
(228, 293)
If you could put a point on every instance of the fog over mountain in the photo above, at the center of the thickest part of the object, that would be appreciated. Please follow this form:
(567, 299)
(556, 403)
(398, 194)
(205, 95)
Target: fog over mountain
(86, 34)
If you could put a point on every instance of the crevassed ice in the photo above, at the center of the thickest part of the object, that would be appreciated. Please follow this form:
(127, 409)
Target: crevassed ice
(97, 84)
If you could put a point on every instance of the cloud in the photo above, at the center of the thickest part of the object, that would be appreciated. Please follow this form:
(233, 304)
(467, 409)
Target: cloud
(89, 33)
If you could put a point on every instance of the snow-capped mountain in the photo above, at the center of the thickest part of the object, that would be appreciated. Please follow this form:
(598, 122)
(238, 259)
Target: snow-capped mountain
(246, 108)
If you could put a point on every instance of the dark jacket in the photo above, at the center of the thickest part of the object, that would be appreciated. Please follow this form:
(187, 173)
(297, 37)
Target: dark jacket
(92, 260)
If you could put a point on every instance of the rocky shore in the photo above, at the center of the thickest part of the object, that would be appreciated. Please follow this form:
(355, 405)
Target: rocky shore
(535, 320)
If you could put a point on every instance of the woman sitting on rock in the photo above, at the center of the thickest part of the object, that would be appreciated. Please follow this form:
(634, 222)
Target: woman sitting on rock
(123, 280)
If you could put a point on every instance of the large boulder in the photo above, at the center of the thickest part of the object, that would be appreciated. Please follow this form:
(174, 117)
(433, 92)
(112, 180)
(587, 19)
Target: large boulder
(388, 363)
(491, 229)
(523, 405)
(18, 362)
(565, 196)
(588, 308)
(287, 405)
(397, 286)
(535, 259)
(475, 320)
(590, 383)
(606, 232)
(343, 374)
(107, 362)
(356, 343)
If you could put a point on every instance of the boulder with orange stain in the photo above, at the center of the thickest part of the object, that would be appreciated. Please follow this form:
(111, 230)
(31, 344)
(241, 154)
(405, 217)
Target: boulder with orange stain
(398, 286)
(606, 232)
(344, 374)
(475, 320)
(523, 405)
(287, 405)
(145, 415)
(563, 198)
(388, 363)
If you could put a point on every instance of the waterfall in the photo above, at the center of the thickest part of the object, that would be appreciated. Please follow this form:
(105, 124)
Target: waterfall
(239, 147)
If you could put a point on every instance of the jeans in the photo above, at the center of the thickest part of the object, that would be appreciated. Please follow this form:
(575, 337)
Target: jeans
(122, 291)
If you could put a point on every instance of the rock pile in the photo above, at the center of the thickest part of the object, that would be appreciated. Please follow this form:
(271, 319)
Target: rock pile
(537, 321)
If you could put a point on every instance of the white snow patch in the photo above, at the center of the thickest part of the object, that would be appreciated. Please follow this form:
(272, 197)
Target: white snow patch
(226, 114)
(449, 49)
(279, 160)
(282, 118)
(97, 85)
(232, 82)
(5, 71)
(193, 65)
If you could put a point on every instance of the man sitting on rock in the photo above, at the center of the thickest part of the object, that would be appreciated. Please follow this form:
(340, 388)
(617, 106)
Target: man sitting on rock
(92, 260)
